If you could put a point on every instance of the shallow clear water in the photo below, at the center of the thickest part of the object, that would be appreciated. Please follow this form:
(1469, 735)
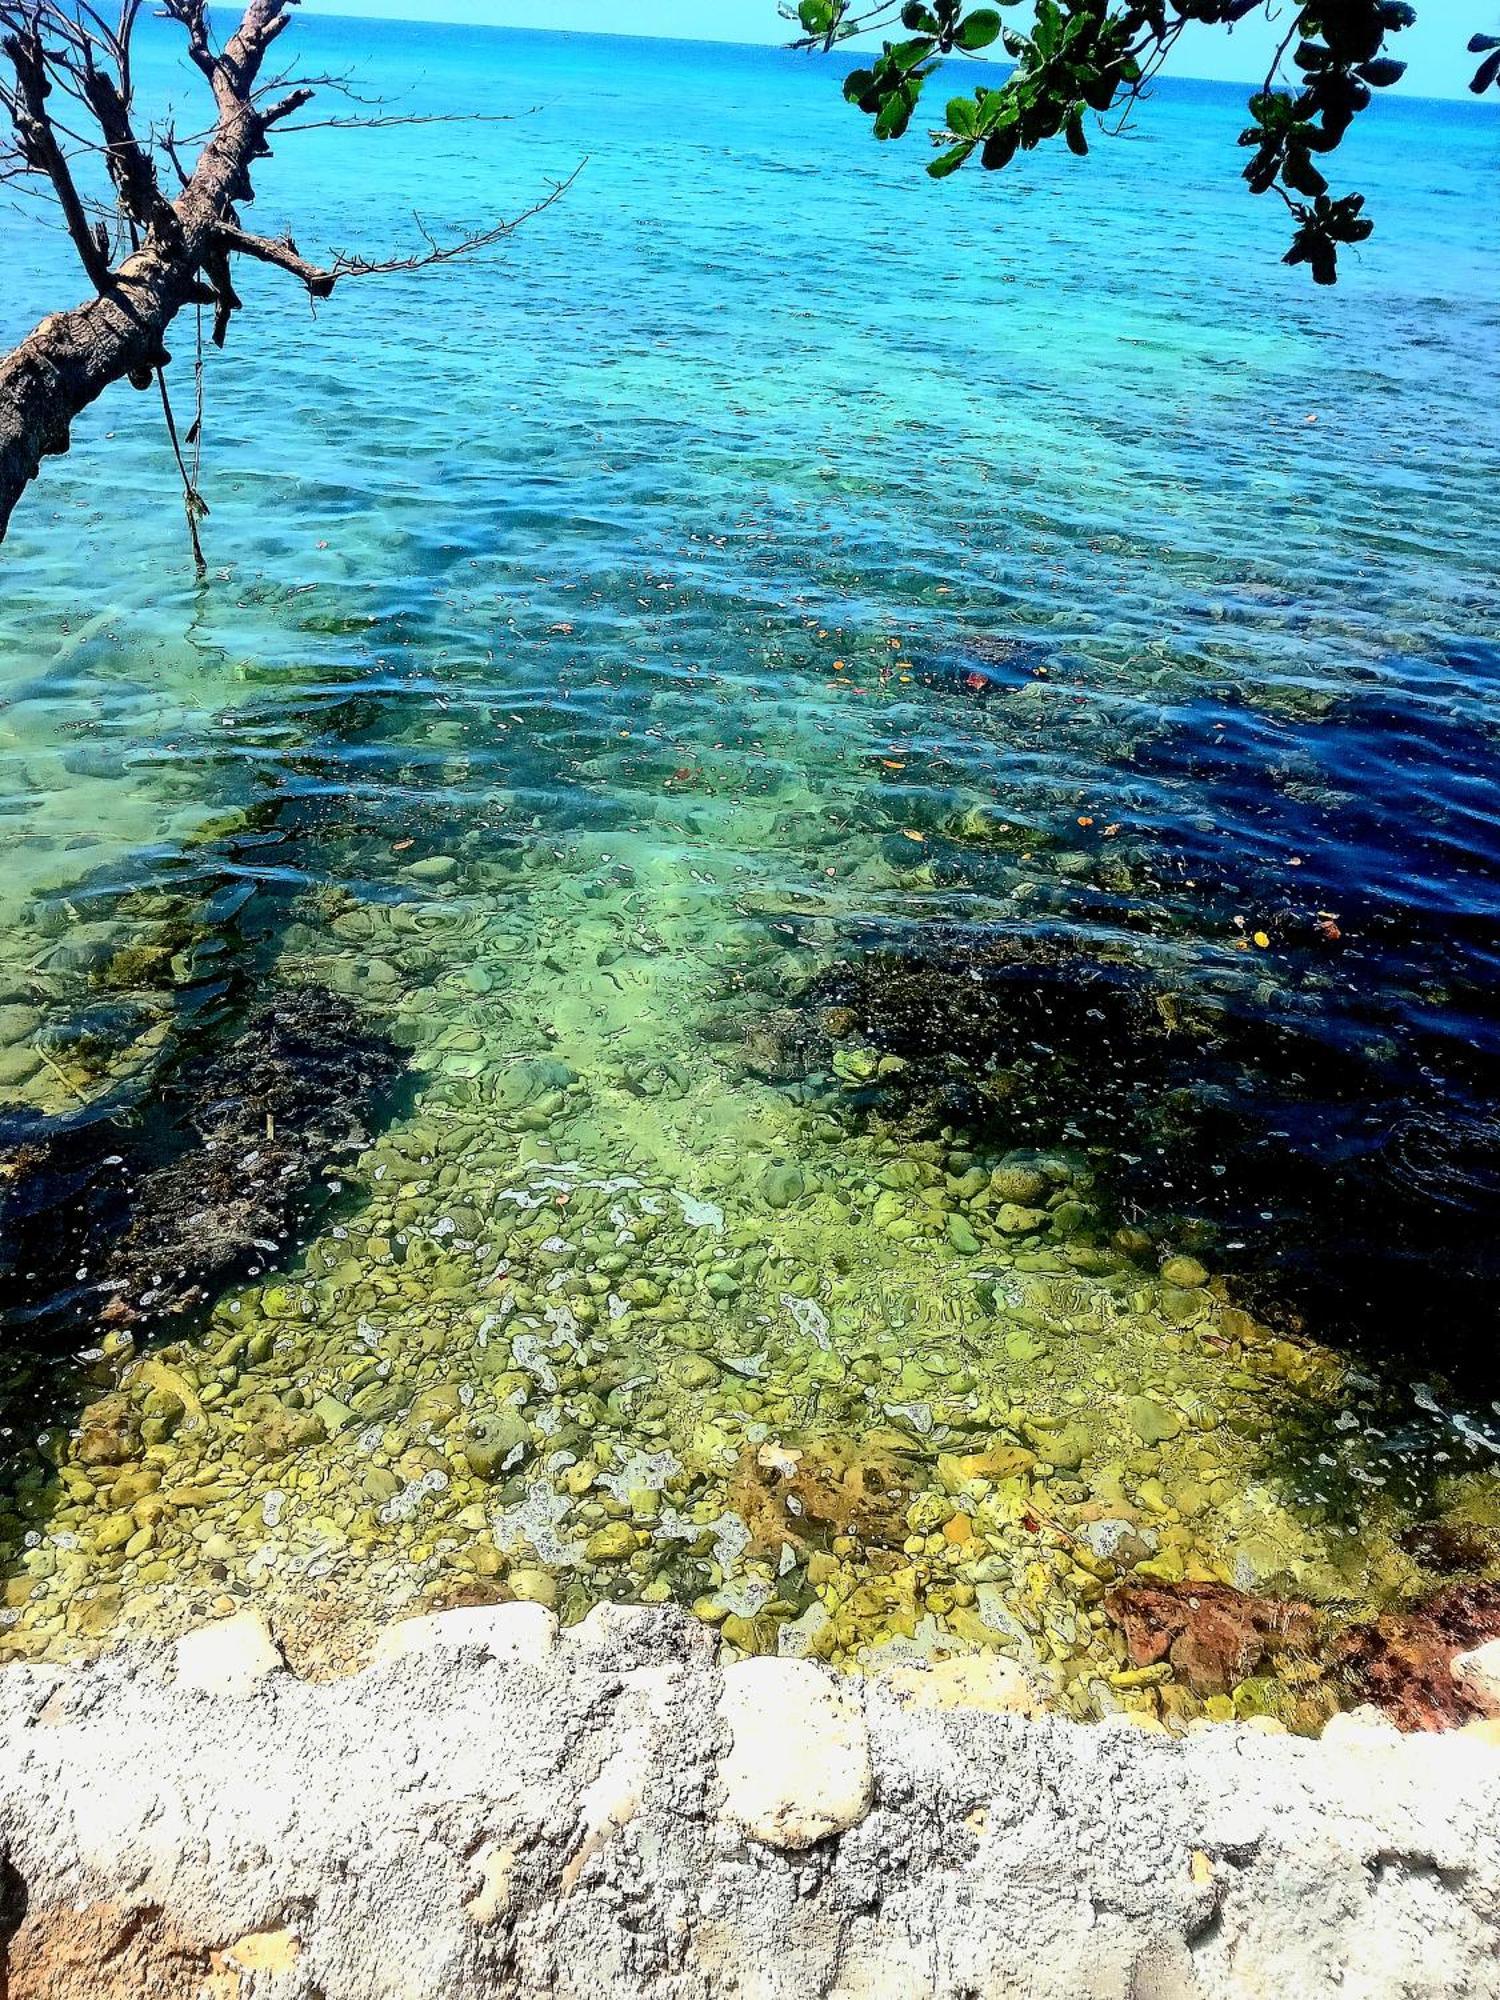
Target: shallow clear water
(910, 772)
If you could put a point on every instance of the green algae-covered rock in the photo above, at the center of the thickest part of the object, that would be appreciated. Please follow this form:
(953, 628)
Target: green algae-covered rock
(496, 1442)
(1152, 1423)
(1185, 1273)
(783, 1186)
(961, 1236)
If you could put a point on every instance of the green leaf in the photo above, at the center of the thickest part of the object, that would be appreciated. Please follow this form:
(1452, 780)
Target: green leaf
(816, 16)
(894, 115)
(962, 116)
(999, 149)
(917, 20)
(1300, 174)
(858, 84)
(950, 162)
(978, 30)
(1382, 72)
(1077, 142)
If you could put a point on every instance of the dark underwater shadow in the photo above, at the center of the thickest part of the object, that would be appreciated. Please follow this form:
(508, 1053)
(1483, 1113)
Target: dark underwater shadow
(119, 1235)
(1296, 1048)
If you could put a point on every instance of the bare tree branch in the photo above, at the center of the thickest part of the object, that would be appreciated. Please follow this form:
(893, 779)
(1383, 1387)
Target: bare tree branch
(282, 252)
(180, 247)
(321, 279)
(39, 151)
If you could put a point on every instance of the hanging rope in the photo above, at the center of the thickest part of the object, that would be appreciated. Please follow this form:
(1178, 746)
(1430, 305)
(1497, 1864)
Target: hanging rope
(194, 506)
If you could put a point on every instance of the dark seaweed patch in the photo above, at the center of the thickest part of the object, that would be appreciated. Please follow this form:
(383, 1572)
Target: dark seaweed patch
(1336, 1183)
(122, 1224)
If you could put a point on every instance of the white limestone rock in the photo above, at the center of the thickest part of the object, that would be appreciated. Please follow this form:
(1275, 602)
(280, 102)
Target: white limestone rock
(526, 1632)
(799, 1769)
(1365, 1727)
(984, 1681)
(231, 1657)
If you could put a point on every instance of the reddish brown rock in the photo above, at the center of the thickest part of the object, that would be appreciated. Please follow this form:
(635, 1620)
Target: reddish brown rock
(1403, 1662)
(133, 1951)
(1214, 1636)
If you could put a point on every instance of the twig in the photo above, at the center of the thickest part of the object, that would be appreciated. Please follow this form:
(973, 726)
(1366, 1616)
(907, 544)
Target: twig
(65, 1080)
(194, 506)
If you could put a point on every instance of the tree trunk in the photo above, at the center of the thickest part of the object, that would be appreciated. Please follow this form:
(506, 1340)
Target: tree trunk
(71, 358)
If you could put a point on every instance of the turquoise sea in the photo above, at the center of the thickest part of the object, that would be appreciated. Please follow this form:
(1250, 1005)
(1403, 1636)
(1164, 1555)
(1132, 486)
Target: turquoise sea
(903, 777)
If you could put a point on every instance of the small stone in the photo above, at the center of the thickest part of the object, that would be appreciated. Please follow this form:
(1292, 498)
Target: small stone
(110, 1433)
(1132, 1242)
(615, 1543)
(962, 1236)
(18, 1023)
(18, 1065)
(1184, 1272)
(799, 1769)
(231, 1657)
(1001, 1461)
(1017, 1221)
(501, 1631)
(694, 1371)
(1150, 1422)
(1014, 1182)
(435, 868)
(496, 1442)
(782, 1186)
(438, 1405)
(533, 1586)
(1478, 1674)
(1147, 1725)
(135, 1485)
(114, 1531)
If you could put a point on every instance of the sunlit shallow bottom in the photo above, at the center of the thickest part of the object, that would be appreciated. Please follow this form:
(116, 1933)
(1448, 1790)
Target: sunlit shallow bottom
(622, 1304)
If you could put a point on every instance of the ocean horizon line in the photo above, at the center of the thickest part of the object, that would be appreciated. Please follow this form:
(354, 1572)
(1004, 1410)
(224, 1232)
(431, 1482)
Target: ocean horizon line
(392, 19)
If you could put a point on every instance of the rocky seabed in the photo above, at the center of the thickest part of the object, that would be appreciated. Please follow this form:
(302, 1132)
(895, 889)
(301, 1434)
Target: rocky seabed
(495, 1807)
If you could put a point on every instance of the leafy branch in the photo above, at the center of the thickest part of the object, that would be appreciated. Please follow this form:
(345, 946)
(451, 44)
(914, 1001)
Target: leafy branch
(1076, 57)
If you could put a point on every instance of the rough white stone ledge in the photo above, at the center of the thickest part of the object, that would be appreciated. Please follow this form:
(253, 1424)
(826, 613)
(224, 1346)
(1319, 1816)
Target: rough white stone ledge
(493, 1809)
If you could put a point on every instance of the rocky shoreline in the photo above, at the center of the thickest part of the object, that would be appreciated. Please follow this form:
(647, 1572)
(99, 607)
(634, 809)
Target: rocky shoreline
(495, 1807)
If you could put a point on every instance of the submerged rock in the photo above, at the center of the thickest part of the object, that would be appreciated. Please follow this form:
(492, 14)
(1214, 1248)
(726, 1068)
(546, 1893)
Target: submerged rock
(1212, 1635)
(1404, 1663)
